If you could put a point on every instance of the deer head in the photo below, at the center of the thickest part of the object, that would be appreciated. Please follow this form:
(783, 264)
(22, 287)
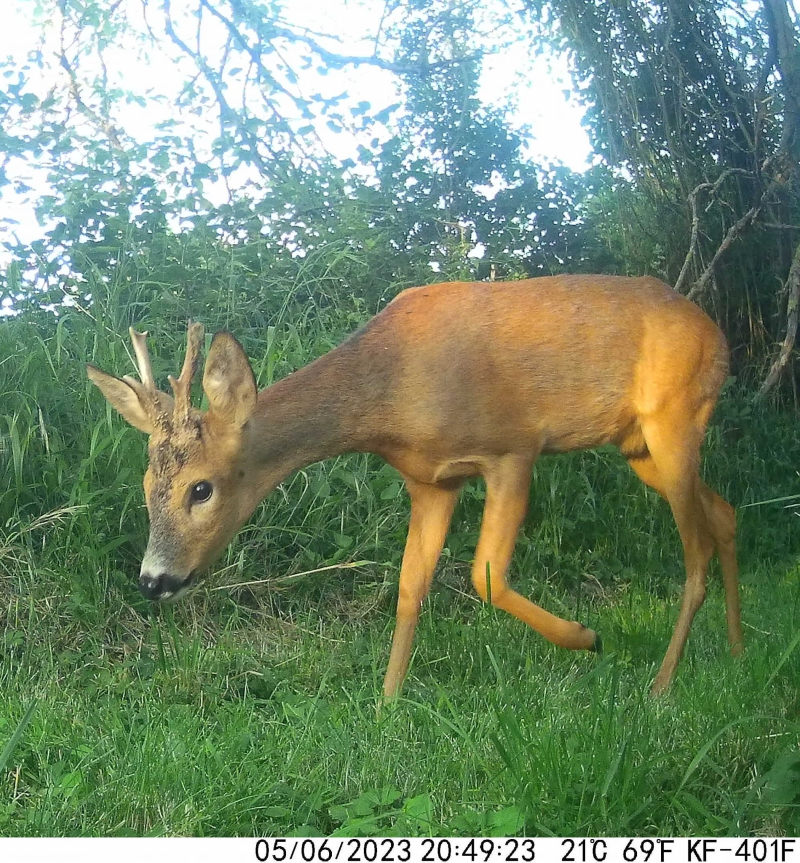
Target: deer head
(198, 486)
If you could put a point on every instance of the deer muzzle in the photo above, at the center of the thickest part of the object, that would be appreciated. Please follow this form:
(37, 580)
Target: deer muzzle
(163, 587)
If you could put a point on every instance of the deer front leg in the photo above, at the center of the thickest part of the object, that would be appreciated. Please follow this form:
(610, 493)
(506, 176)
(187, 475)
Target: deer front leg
(507, 489)
(431, 511)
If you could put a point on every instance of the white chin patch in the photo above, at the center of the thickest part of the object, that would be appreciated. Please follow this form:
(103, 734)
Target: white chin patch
(175, 595)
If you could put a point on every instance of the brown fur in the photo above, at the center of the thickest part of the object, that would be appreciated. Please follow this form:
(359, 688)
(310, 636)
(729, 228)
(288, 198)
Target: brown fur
(452, 381)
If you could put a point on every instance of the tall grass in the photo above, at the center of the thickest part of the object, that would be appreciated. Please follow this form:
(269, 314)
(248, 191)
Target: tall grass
(252, 709)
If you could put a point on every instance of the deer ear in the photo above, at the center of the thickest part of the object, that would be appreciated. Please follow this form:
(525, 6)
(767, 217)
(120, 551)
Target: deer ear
(123, 398)
(228, 380)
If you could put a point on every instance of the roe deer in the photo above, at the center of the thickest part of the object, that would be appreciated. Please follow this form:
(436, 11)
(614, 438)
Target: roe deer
(449, 381)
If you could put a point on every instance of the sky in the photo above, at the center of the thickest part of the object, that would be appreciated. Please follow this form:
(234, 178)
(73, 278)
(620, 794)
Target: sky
(535, 86)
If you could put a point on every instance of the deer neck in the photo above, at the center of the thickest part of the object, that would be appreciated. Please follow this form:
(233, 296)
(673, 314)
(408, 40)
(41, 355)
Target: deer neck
(322, 410)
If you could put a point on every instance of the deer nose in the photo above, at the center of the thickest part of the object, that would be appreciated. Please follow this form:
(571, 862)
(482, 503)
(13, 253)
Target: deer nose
(152, 586)
(164, 586)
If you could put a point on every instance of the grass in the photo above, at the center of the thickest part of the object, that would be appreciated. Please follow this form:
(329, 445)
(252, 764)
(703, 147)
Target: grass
(253, 710)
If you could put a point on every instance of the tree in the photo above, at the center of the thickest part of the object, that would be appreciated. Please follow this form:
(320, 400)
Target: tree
(696, 101)
(239, 153)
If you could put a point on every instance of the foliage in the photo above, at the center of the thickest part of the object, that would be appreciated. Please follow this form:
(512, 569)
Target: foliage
(698, 105)
(691, 107)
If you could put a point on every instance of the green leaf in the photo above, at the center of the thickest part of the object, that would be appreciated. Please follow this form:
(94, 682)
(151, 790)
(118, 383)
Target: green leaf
(507, 822)
(783, 780)
(391, 492)
(419, 808)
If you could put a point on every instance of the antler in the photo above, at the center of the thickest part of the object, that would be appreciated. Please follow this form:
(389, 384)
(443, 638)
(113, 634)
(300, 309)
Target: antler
(182, 387)
(151, 400)
(142, 359)
(158, 404)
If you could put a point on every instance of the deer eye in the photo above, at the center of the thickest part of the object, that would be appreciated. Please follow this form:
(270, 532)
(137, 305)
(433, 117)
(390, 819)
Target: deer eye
(201, 492)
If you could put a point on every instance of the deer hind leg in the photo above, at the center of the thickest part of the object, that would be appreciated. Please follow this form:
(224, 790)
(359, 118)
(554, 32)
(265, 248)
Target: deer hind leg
(722, 523)
(673, 439)
(507, 489)
(431, 511)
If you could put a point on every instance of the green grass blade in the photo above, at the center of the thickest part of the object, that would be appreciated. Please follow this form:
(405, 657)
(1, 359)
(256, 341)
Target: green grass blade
(9, 748)
(786, 654)
(703, 751)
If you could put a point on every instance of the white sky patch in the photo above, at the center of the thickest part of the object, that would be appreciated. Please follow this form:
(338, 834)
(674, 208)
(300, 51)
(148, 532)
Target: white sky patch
(537, 87)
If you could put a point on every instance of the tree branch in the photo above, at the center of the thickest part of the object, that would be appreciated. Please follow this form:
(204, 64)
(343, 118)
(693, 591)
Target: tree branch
(714, 187)
(102, 122)
(784, 46)
(338, 61)
(735, 229)
(227, 114)
(792, 310)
